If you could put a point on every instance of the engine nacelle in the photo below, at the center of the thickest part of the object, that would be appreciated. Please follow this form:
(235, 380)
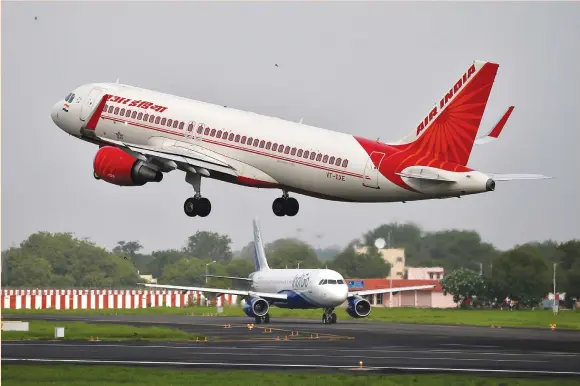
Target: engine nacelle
(256, 307)
(115, 166)
(358, 307)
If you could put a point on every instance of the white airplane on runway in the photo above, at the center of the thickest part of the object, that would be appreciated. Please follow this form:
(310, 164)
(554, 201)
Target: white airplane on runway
(294, 289)
(143, 134)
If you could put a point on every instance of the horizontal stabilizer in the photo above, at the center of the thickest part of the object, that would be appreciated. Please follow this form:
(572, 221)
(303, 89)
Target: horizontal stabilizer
(511, 177)
(425, 177)
(497, 129)
(230, 277)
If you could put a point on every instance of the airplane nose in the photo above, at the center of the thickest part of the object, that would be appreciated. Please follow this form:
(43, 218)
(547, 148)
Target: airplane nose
(55, 111)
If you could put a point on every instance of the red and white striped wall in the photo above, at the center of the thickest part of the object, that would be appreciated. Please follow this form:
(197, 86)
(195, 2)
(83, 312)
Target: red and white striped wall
(63, 299)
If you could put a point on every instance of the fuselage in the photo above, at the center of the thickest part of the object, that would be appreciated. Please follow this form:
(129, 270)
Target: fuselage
(266, 152)
(306, 288)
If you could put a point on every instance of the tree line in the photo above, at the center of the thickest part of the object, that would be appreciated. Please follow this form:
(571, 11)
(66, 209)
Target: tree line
(475, 270)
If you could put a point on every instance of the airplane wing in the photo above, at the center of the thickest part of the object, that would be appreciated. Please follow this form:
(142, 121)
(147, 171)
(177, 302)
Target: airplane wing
(387, 290)
(264, 295)
(510, 177)
(230, 277)
(494, 133)
(184, 157)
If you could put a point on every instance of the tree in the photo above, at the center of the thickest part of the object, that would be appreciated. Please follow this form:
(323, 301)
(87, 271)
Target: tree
(130, 248)
(464, 284)
(209, 245)
(569, 268)
(290, 253)
(522, 274)
(407, 235)
(351, 264)
(160, 259)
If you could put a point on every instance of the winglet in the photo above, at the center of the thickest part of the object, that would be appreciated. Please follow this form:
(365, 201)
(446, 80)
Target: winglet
(497, 129)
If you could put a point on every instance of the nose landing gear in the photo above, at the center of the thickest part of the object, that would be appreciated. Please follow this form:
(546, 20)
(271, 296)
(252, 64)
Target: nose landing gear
(329, 317)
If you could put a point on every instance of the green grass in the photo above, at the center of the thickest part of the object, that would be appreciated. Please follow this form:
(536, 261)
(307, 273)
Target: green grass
(79, 375)
(44, 330)
(475, 317)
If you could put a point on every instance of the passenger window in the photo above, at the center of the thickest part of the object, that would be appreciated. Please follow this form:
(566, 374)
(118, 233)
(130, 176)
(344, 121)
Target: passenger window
(256, 142)
(325, 158)
(157, 120)
(181, 125)
(243, 140)
(212, 132)
(175, 123)
(128, 114)
(140, 116)
(318, 157)
(116, 110)
(111, 109)
(206, 131)
(262, 143)
(280, 148)
(169, 122)
(231, 138)
(344, 163)
(331, 160)
(250, 141)
(299, 153)
(274, 147)
(312, 155)
(199, 129)
(338, 161)
(237, 138)
(268, 145)
(163, 121)
(287, 150)
(135, 114)
(306, 153)
(122, 112)
(151, 118)
(293, 152)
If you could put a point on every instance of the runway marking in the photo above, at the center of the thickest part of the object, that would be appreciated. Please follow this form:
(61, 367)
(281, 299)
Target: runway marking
(165, 363)
(196, 346)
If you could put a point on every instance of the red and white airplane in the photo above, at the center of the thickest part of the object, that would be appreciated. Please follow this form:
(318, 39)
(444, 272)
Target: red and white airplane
(142, 134)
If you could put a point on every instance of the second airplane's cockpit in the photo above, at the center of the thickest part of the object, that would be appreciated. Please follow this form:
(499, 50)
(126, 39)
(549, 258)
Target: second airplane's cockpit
(331, 281)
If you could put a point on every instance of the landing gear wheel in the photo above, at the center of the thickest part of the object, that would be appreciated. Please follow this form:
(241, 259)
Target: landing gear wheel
(203, 207)
(333, 318)
(258, 319)
(291, 206)
(325, 319)
(267, 318)
(190, 207)
(278, 207)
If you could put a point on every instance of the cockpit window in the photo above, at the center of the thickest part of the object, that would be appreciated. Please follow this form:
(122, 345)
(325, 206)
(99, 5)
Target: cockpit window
(331, 281)
(70, 97)
(340, 282)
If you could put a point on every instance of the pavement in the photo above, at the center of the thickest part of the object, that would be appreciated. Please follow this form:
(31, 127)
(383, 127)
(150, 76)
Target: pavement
(291, 344)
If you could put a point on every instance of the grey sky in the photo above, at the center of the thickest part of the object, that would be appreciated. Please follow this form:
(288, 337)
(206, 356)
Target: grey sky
(370, 69)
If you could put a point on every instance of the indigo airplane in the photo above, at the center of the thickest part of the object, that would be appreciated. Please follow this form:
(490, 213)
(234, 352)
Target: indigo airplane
(143, 134)
(294, 289)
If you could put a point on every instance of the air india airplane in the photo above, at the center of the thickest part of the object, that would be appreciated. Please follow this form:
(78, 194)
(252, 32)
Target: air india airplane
(295, 289)
(143, 134)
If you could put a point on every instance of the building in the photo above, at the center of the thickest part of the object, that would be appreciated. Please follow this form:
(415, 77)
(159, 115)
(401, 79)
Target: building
(394, 256)
(427, 298)
(425, 273)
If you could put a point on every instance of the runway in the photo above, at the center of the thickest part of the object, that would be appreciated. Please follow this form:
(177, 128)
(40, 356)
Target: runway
(308, 344)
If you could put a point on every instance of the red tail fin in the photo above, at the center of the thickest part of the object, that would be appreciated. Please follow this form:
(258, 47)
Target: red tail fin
(448, 132)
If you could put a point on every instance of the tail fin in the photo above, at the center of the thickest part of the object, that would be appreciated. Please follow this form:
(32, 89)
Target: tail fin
(448, 132)
(259, 254)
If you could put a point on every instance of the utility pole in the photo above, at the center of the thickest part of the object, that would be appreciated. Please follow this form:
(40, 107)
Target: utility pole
(206, 270)
(555, 284)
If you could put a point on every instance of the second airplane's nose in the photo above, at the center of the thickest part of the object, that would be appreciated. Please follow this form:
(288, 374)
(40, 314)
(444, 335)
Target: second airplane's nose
(55, 111)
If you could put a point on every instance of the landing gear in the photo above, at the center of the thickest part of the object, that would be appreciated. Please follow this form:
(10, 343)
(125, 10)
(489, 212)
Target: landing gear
(196, 205)
(260, 319)
(285, 206)
(329, 317)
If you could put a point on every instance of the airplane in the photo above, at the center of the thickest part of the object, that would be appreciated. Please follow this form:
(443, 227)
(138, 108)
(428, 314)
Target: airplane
(294, 289)
(143, 134)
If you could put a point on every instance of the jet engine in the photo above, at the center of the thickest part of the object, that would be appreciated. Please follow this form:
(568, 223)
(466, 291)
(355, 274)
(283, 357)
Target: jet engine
(358, 307)
(256, 307)
(115, 166)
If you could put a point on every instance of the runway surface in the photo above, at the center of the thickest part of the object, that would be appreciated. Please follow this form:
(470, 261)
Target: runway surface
(309, 344)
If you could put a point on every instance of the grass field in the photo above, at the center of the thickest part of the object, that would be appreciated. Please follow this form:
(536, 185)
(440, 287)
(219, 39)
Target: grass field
(44, 330)
(78, 375)
(521, 318)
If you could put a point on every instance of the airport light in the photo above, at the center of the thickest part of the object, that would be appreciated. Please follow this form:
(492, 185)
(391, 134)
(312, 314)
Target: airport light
(206, 273)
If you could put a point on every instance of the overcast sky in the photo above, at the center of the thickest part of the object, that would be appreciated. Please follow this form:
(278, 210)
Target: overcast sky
(370, 69)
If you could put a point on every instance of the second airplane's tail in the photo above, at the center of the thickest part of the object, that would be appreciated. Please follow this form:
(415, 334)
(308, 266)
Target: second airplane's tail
(259, 253)
(448, 131)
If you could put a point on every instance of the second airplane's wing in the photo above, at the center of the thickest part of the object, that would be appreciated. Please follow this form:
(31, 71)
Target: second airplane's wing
(264, 295)
(387, 290)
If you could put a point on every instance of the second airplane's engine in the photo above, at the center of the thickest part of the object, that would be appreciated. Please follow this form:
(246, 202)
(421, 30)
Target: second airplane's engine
(256, 307)
(358, 307)
(115, 166)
